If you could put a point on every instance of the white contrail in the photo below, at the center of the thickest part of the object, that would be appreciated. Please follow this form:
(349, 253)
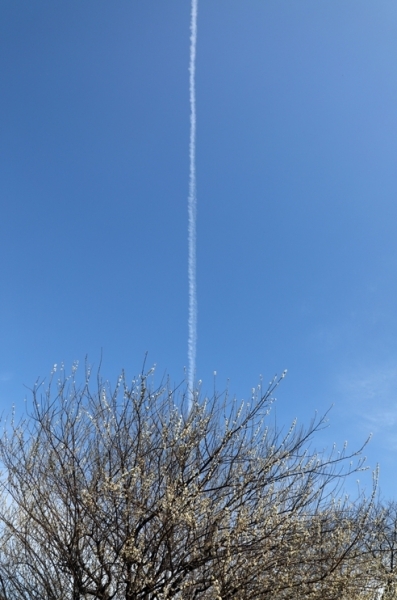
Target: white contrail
(192, 200)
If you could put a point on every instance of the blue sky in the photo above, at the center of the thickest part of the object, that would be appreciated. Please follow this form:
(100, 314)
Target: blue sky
(296, 176)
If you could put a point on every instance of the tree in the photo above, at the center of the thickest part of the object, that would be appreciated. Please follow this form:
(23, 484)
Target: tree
(139, 493)
(381, 546)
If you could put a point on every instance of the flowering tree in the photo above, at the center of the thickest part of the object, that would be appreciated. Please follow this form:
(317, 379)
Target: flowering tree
(141, 493)
(381, 545)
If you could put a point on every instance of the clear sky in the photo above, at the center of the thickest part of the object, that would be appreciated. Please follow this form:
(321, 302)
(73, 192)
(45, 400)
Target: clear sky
(297, 187)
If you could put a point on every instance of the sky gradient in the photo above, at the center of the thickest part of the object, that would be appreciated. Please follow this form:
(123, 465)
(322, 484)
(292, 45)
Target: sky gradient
(296, 181)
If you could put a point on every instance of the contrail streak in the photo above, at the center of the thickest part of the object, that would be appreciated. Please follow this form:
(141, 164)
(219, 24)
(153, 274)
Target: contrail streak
(192, 208)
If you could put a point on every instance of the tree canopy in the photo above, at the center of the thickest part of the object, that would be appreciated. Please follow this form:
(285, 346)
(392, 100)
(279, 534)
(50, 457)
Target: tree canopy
(141, 492)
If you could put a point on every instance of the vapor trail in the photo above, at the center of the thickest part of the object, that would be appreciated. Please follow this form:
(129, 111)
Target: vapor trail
(192, 201)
